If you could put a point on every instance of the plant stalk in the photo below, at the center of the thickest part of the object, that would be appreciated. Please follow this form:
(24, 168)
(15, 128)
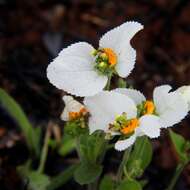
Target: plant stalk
(44, 153)
(123, 164)
(94, 185)
(176, 175)
(109, 82)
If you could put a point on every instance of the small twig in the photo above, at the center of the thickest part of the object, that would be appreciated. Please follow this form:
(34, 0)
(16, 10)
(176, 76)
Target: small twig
(45, 148)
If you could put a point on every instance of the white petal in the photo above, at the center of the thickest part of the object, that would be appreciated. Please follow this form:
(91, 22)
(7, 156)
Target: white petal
(105, 106)
(73, 72)
(65, 114)
(118, 39)
(135, 95)
(120, 35)
(124, 144)
(150, 125)
(170, 106)
(71, 105)
(126, 61)
(185, 92)
(158, 94)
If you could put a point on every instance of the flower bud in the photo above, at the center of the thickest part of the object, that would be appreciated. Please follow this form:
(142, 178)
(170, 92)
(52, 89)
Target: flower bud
(102, 64)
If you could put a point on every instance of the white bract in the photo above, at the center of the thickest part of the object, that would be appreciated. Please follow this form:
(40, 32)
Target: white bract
(185, 92)
(170, 107)
(109, 109)
(80, 73)
(73, 109)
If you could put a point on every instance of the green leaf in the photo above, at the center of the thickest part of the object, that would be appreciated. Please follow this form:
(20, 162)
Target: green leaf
(180, 145)
(68, 144)
(140, 157)
(92, 147)
(121, 83)
(62, 178)
(87, 173)
(38, 181)
(129, 185)
(32, 135)
(24, 169)
(107, 183)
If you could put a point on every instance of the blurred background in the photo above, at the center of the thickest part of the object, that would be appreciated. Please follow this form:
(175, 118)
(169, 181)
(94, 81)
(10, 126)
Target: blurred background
(33, 32)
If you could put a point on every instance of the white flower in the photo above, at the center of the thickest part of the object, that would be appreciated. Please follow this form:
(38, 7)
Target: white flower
(80, 73)
(73, 109)
(185, 92)
(116, 114)
(169, 106)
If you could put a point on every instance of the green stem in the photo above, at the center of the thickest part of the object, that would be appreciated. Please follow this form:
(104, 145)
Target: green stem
(78, 147)
(176, 175)
(45, 149)
(123, 164)
(109, 82)
(94, 185)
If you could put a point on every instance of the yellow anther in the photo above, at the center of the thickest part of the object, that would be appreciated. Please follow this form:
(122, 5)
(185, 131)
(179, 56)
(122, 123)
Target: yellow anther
(112, 57)
(149, 107)
(130, 127)
(75, 115)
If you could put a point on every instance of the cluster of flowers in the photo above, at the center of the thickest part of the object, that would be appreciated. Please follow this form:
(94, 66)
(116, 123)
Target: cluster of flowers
(84, 71)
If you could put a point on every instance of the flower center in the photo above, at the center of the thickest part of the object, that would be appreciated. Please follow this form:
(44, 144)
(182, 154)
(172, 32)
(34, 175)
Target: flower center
(76, 115)
(112, 57)
(130, 126)
(124, 126)
(105, 60)
(149, 107)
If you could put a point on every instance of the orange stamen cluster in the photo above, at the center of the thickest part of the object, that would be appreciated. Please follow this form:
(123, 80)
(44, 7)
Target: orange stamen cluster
(130, 127)
(75, 115)
(149, 107)
(112, 57)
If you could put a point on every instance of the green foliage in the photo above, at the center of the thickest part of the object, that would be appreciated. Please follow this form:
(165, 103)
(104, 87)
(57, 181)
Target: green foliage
(121, 83)
(87, 173)
(68, 144)
(91, 149)
(129, 185)
(62, 178)
(36, 181)
(106, 183)
(181, 146)
(140, 157)
(32, 135)
(76, 127)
